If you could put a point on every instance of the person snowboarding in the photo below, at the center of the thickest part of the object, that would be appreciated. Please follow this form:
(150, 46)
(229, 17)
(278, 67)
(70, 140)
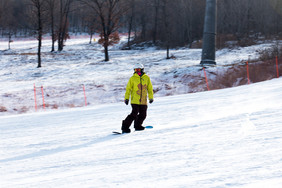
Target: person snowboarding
(138, 89)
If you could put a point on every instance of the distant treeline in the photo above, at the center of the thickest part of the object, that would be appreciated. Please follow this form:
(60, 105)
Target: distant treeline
(164, 22)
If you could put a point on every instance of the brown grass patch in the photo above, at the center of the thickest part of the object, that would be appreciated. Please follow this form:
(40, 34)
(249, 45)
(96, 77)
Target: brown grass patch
(236, 75)
(28, 53)
(3, 109)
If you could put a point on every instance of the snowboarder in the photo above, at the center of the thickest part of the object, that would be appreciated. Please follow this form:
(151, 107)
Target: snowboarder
(138, 86)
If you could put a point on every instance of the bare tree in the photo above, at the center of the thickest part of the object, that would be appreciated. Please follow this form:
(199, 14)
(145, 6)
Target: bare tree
(143, 15)
(37, 11)
(7, 20)
(89, 21)
(131, 17)
(64, 10)
(167, 25)
(148, 19)
(179, 21)
(51, 5)
(156, 6)
(108, 13)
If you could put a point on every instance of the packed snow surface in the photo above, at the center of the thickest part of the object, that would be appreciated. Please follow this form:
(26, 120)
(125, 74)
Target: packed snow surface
(222, 138)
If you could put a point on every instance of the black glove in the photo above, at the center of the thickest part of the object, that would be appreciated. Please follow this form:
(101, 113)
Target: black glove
(151, 101)
(126, 101)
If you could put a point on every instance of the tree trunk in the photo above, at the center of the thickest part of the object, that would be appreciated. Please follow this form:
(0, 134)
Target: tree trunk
(64, 12)
(157, 5)
(91, 36)
(130, 22)
(53, 30)
(129, 32)
(10, 40)
(53, 38)
(40, 31)
(167, 52)
(106, 53)
(39, 51)
(166, 22)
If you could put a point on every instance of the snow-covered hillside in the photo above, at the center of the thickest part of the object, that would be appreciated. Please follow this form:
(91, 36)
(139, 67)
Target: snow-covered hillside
(222, 138)
(63, 74)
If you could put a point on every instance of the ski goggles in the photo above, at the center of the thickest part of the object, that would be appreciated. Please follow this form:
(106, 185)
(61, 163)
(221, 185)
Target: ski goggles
(137, 70)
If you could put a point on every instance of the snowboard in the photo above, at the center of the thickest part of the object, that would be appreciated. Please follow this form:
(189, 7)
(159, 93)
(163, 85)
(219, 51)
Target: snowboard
(117, 132)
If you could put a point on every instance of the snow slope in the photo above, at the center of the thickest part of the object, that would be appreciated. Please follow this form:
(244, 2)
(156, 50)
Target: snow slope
(222, 138)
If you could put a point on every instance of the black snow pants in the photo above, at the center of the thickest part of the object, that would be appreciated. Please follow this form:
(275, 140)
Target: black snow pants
(138, 115)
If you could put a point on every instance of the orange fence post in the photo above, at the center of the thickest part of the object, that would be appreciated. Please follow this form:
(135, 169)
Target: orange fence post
(206, 79)
(248, 74)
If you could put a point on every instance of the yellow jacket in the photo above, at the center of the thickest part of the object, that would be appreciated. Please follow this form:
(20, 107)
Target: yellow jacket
(138, 88)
